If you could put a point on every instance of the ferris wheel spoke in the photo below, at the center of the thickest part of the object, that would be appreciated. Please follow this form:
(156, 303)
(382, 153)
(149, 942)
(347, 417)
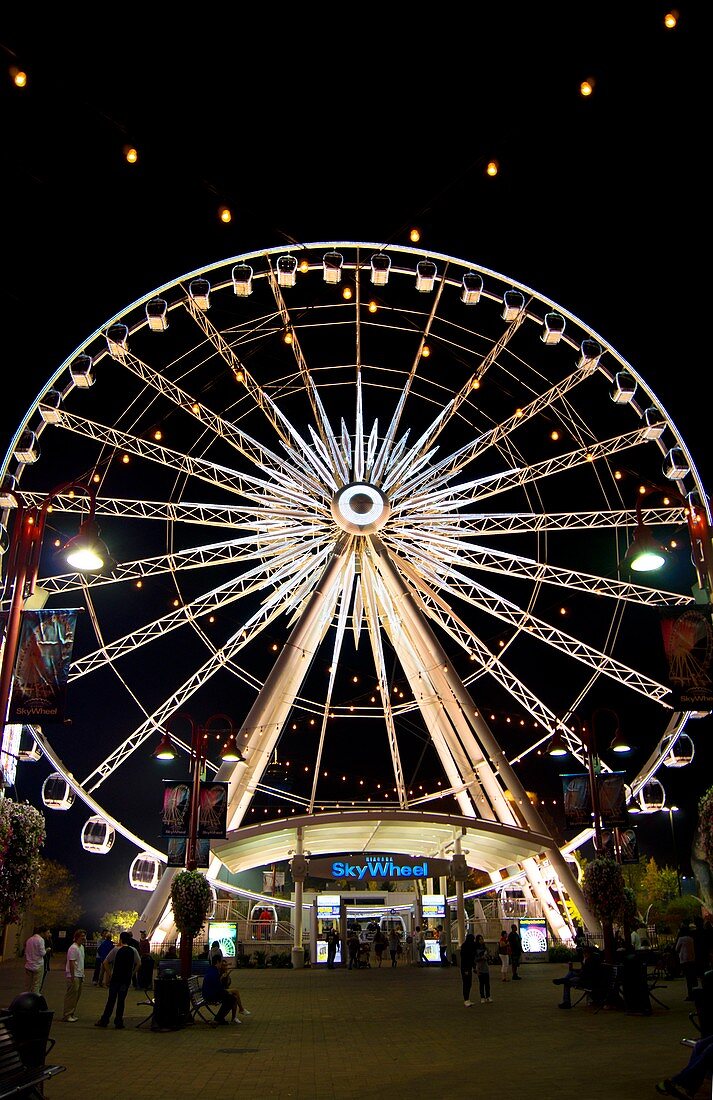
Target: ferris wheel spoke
(492, 484)
(438, 609)
(460, 459)
(433, 553)
(321, 421)
(214, 474)
(216, 599)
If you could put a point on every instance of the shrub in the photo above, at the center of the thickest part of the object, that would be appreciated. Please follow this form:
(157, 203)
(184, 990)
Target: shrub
(560, 952)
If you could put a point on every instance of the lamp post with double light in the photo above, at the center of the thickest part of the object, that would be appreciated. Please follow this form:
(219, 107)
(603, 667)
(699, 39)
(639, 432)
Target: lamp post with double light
(585, 733)
(229, 752)
(85, 552)
(646, 554)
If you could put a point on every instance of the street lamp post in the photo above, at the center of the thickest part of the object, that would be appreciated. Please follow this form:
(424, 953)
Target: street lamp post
(85, 552)
(199, 757)
(671, 811)
(587, 736)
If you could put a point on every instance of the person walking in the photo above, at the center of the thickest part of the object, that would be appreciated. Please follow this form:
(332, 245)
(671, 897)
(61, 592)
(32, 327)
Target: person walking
(394, 945)
(47, 937)
(35, 951)
(120, 966)
(515, 951)
(482, 969)
(504, 953)
(467, 961)
(74, 973)
(379, 945)
(103, 948)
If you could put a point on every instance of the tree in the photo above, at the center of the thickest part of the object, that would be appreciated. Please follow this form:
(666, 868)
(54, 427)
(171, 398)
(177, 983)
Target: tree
(22, 834)
(119, 920)
(56, 901)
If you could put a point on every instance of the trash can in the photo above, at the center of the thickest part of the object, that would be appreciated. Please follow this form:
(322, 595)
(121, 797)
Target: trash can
(30, 1021)
(171, 1008)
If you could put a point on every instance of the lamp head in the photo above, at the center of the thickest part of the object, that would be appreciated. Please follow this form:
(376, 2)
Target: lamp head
(645, 554)
(165, 749)
(86, 552)
(619, 742)
(557, 746)
(230, 753)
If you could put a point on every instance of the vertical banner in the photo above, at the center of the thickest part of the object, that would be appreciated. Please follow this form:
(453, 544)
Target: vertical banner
(177, 852)
(688, 644)
(176, 812)
(213, 811)
(577, 801)
(44, 655)
(627, 843)
(578, 808)
(612, 799)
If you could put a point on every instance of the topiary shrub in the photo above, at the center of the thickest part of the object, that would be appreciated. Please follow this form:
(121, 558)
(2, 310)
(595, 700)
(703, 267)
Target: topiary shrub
(560, 953)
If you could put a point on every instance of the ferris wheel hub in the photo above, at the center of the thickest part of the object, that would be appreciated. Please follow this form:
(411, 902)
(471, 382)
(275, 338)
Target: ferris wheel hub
(360, 508)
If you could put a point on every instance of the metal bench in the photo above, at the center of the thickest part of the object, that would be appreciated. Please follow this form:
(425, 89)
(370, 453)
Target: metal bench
(199, 1005)
(16, 1078)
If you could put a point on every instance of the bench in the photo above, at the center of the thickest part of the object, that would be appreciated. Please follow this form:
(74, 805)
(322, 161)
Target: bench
(16, 1078)
(199, 1005)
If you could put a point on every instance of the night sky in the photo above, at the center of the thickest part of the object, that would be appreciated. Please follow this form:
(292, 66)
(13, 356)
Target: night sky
(357, 129)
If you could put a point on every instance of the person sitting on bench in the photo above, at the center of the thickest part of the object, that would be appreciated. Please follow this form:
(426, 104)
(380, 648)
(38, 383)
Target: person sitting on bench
(588, 976)
(686, 1083)
(214, 992)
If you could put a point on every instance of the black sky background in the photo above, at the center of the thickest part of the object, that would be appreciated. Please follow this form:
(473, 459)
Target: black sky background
(314, 125)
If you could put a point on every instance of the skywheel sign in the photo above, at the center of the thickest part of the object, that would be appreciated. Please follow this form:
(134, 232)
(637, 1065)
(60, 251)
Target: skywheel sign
(367, 868)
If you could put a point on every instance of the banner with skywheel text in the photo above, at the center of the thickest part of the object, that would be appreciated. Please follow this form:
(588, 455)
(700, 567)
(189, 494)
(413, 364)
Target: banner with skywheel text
(44, 656)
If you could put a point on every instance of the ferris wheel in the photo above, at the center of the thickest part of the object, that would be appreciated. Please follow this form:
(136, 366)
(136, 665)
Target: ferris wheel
(396, 484)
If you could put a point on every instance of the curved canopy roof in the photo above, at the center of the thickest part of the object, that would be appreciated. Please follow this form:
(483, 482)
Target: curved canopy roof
(488, 845)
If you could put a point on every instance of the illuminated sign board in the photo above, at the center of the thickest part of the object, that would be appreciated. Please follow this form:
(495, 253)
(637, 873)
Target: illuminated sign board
(433, 905)
(226, 933)
(533, 933)
(328, 906)
(363, 868)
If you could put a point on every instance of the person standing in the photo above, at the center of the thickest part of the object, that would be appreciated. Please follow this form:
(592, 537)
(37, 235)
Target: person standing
(504, 953)
(482, 969)
(34, 961)
(379, 945)
(47, 936)
(421, 946)
(686, 950)
(332, 945)
(74, 973)
(515, 951)
(103, 948)
(467, 961)
(120, 966)
(442, 946)
(353, 949)
(394, 944)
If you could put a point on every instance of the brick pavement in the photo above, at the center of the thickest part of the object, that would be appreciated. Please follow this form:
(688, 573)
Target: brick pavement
(317, 1034)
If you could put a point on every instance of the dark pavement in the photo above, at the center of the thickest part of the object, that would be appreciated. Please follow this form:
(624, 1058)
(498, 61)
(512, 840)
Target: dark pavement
(320, 1034)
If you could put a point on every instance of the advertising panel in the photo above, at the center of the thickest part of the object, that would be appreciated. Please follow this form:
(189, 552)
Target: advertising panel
(433, 905)
(327, 907)
(226, 933)
(533, 933)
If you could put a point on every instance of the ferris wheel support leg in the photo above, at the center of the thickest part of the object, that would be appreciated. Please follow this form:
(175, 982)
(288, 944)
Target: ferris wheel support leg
(483, 746)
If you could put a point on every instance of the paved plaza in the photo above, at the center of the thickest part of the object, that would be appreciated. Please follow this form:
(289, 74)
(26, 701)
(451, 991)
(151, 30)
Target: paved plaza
(320, 1034)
